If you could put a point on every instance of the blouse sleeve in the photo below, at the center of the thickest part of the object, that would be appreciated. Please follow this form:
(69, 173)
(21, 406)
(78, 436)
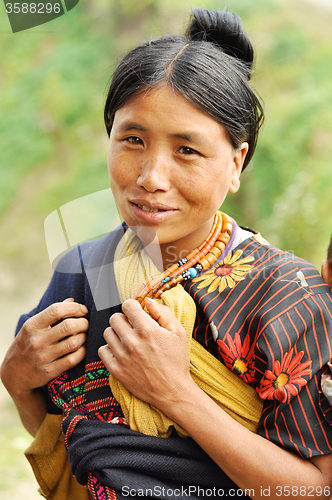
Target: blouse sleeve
(291, 351)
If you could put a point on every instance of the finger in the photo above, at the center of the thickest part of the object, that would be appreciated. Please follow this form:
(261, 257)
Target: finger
(113, 341)
(66, 328)
(108, 333)
(134, 314)
(55, 313)
(106, 355)
(67, 362)
(67, 346)
(159, 313)
(164, 316)
(120, 324)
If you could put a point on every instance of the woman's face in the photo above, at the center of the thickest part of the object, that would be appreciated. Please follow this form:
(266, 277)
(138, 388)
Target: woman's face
(171, 167)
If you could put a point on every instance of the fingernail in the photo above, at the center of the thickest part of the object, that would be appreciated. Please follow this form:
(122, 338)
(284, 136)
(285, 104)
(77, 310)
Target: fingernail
(84, 309)
(69, 299)
(150, 300)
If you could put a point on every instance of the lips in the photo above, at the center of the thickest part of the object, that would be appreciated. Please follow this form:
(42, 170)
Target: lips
(151, 212)
(150, 205)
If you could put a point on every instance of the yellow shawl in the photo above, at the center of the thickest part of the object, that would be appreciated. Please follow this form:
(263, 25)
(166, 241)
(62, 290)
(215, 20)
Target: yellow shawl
(132, 266)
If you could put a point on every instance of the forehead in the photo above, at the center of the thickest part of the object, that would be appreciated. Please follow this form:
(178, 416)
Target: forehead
(164, 108)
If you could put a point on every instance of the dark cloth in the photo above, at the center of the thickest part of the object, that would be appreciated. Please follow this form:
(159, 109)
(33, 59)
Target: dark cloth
(129, 460)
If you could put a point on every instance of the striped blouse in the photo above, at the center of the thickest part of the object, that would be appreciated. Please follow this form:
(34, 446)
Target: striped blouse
(267, 315)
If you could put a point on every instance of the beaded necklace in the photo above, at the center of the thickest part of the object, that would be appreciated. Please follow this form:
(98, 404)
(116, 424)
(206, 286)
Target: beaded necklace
(195, 262)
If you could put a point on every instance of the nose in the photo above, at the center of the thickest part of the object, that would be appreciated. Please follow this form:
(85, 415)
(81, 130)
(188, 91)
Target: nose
(154, 173)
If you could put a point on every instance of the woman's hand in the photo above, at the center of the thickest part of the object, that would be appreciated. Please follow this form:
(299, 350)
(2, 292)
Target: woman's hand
(148, 354)
(48, 344)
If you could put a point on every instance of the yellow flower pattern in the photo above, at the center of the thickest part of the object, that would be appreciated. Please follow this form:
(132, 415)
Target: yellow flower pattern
(226, 273)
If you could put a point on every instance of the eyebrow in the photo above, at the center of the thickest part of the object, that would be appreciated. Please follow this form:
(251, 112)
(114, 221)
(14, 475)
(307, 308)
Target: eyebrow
(131, 126)
(188, 137)
(192, 137)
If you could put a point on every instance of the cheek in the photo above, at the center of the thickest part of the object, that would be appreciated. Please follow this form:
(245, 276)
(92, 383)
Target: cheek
(201, 198)
(114, 160)
(113, 177)
(119, 172)
(117, 179)
(210, 187)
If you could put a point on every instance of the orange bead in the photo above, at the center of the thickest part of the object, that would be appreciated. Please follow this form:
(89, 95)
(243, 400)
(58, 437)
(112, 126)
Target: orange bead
(210, 258)
(171, 269)
(224, 238)
(205, 264)
(220, 245)
(216, 252)
(201, 255)
(227, 227)
(192, 254)
(209, 246)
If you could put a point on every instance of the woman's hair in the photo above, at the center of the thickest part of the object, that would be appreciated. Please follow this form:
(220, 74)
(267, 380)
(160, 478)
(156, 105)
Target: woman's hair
(210, 66)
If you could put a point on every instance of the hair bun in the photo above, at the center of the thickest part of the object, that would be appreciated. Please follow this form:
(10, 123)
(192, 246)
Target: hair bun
(224, 29)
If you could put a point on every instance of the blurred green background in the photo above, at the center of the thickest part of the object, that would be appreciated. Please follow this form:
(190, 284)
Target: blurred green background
(53, 81)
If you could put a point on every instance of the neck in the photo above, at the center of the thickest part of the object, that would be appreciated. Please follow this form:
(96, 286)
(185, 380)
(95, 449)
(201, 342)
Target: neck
(172, 252)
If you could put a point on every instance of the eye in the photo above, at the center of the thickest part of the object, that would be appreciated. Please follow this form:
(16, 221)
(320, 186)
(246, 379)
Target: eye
(136, 141)
(188, 151)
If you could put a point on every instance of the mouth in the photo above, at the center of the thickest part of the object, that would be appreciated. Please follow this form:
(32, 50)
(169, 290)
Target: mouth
(148, 209)
(151, 213)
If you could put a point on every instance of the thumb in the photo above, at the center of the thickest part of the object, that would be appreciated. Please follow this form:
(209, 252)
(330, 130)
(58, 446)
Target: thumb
(68, 300)
(164, 317)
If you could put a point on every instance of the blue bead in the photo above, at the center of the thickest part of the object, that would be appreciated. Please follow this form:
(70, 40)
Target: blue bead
(192, 271)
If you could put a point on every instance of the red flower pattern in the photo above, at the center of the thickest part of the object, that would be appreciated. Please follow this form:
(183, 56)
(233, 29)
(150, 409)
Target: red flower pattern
(238, 357)
(278, 384)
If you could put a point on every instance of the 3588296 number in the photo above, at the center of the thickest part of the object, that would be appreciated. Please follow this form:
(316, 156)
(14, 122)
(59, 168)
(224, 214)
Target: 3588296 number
(303, 491)
(32, 8)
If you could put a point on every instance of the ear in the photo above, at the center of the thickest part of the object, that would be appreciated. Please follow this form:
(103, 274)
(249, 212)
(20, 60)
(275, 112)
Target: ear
(326, 273)
(238, 159)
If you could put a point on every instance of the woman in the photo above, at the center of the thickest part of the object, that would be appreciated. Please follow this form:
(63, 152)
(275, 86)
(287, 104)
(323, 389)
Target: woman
(183, 123)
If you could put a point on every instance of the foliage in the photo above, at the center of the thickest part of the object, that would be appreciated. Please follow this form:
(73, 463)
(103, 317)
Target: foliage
(53, 84)
(286, 195)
